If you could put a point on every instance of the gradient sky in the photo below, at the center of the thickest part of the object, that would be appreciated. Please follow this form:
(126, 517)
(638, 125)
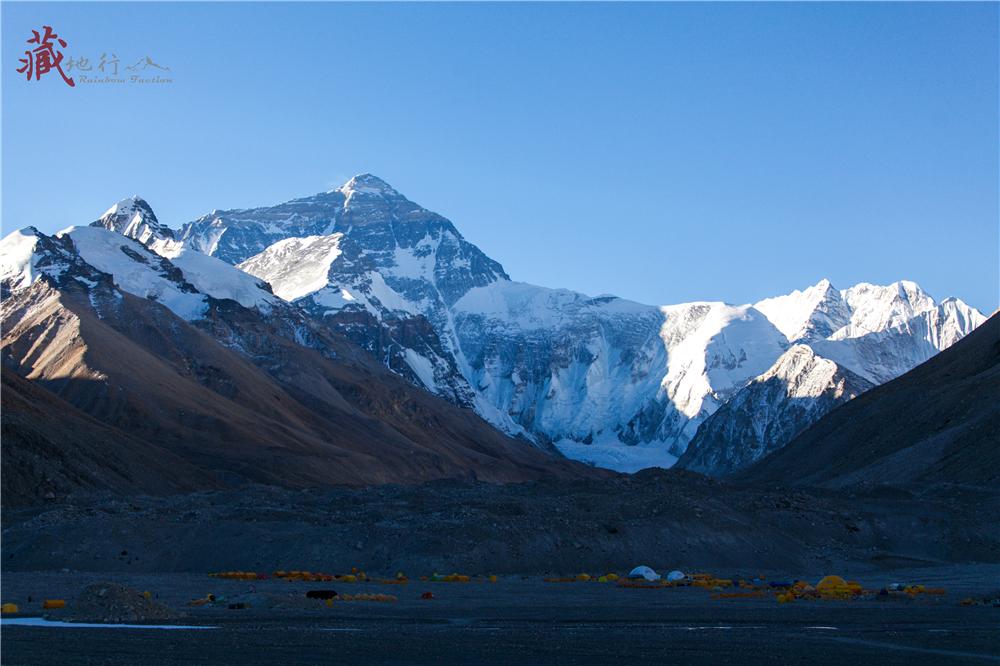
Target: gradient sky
(660, 152)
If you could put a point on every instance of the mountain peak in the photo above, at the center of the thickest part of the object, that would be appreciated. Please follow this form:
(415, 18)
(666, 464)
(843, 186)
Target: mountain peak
(27, 253)
(816, 311)
(910, 289)
(128, 205)
(133, 217)
(902, 298)
(366, 183)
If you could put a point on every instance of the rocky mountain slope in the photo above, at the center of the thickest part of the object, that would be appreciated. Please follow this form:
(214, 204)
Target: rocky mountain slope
(50, 449)
(770, 411)
(604, 380)
(194, 357)
(939, 422)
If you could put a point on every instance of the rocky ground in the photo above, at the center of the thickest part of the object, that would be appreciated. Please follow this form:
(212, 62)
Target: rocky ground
(666, 519)
(515, 620)
(116, 603)
(946, 536)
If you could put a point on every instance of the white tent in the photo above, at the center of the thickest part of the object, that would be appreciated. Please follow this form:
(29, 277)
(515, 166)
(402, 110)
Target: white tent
(674, 576)
(644, 572)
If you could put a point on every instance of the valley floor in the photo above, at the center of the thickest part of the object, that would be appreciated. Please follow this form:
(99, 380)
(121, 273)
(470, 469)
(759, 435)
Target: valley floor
(520, 620)
(945, 536)
(662, 518)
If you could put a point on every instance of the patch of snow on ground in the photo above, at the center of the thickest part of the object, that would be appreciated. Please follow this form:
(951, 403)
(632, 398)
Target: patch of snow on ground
(42, 622)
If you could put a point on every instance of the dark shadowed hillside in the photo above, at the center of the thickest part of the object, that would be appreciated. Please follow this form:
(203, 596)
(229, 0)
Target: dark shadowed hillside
(50, 447)
(938, 422)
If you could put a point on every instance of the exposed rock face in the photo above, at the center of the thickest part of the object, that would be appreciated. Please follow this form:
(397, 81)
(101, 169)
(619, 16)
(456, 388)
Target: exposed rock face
(133, 217)
(770, 411)
(419, 253)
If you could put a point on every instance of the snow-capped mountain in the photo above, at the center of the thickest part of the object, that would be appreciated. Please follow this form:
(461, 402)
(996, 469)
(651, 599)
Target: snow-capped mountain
(191, 364)
(770, 411)
(381, 269)
(419, 253)
(811, 314)
(894, 328)
(134, 218)
(589, 375)
(182, 282)
(846, 342)
(605, 380)
(27, 255)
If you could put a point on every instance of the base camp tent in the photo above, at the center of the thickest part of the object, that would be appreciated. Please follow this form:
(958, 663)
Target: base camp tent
(644, 572)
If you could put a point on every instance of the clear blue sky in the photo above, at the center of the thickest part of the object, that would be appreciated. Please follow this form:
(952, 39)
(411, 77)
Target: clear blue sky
(661, 152)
